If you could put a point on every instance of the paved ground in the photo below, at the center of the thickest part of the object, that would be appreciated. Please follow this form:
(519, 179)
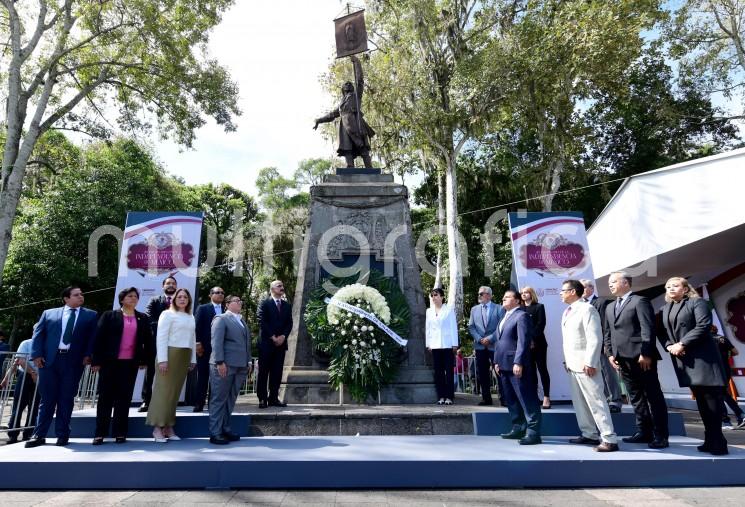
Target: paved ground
(678, 497)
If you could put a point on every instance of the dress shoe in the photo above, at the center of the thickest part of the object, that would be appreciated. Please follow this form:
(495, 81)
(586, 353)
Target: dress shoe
(231, 437)
(12, 440)
(513, 435)
(615, 409)
(262, 404)
(62, 441)
(530, 440)
(35, 442)
(97, 441)
(143, 408)
(584, 441)
(198, 408)
(719, 451)
(606, 447)
(120, 440)
(219, 441)
(659, 443)
(277, 403)
(485, 403)
(638, 438)
(703, 448)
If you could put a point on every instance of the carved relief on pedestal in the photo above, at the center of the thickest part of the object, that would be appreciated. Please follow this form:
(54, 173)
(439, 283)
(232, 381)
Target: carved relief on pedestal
(359, 231)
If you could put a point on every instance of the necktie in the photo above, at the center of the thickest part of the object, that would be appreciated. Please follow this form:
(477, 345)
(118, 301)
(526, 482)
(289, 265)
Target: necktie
(279, 305)
(618, 305)
(566, 314)
(168, 300)
(484, 313)
(67, 336)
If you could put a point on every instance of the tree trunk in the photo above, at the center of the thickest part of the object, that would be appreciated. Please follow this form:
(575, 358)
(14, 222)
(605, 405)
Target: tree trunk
(441, 229)
(455, 289)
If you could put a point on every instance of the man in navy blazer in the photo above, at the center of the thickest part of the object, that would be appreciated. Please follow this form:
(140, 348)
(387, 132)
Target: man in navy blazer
(513, 364)
(275, 324)
(61, 347)
(482, 325)
(205, 314)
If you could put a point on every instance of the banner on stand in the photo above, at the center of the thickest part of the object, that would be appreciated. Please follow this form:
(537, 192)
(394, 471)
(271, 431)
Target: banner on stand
(548, 248)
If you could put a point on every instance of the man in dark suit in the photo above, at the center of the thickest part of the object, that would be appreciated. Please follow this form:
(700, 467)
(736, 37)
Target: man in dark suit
(482, 326)
(610, 375)
(275, 324)
(205, 314)
(631, 347)
(513, 364)
(61, 347)
(155, 307)
(230, 360)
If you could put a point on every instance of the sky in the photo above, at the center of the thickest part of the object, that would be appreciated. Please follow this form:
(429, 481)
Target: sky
(277, 52)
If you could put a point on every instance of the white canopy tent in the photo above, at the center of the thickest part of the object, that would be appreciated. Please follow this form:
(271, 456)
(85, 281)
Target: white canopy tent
(684, 220)
(680, 220)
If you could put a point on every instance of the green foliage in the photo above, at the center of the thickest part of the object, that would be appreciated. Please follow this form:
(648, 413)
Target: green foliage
(344, 344)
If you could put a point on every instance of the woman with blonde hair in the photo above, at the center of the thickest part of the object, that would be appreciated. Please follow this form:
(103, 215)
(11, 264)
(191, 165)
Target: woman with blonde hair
(441, 333)
(175, 355)
(696, 359)
(538, 344)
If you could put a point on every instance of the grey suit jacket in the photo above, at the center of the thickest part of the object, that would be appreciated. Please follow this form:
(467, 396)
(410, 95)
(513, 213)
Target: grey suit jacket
(631, 333)
(231, 342)
(477, 329)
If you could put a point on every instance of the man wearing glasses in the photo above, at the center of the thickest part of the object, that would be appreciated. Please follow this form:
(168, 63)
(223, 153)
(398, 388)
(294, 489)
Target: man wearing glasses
(229, 363)
(482, 325)
(204, 316)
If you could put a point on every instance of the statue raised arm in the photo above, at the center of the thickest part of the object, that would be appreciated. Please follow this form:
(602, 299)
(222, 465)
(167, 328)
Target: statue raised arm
(354, 132)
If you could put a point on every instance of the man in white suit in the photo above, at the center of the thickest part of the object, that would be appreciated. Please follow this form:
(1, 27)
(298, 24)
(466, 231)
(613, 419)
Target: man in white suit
(582, 343)
(482, 325)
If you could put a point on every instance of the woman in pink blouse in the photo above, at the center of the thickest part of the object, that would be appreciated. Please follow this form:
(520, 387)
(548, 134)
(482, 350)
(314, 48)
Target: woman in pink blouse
(119, 350)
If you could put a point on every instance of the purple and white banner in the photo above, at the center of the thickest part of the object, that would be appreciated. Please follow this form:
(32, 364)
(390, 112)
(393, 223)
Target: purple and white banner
(548, 248)
(157, 245)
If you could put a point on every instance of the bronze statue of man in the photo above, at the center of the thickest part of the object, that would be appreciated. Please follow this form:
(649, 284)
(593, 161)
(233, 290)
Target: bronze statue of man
(354, 132)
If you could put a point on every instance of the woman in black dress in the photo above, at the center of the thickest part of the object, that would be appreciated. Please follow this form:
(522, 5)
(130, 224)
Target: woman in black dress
(696, 359)
(539, 345)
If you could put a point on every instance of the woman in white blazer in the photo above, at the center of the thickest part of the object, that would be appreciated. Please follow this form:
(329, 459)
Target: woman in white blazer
(442, 339)
(176, 354)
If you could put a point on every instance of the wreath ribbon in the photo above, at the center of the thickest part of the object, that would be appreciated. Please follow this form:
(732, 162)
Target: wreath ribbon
(369, 316)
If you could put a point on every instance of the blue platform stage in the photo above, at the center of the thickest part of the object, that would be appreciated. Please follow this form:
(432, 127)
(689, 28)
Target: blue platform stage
(439, 461)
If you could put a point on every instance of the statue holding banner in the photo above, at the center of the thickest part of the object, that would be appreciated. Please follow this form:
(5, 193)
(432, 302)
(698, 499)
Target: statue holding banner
(354, 132)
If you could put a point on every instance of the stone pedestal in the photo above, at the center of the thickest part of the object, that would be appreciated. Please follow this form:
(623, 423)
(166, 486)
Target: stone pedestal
(357, 216)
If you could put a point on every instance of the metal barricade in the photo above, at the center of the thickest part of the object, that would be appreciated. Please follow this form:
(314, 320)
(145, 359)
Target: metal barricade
(87, 389)
(19, 397)
(250, 386)
(466, 381)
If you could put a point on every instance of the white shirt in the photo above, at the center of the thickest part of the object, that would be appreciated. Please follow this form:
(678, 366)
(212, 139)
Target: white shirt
(506, 316)
(236, 316)
(66, 312)
(218, 309)
(441, 330)
(175, 329)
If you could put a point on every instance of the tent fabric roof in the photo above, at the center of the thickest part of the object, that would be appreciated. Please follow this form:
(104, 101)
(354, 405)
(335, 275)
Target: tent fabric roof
(678, 220)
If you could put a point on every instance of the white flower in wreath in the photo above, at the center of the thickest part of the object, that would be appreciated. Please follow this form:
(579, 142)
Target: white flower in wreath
(354, 342)
(370, 296)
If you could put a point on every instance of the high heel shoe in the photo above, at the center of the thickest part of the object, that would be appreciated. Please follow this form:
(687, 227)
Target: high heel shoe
(97, 441)
(159, 437)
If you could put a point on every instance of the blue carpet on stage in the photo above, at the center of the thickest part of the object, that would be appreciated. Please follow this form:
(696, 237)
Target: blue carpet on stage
(456, 461)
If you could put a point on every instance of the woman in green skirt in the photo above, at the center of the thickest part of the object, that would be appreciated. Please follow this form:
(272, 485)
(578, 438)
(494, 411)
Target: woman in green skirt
(176, 355)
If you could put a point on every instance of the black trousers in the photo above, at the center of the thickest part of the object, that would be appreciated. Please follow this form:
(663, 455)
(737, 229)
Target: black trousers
(539, 354)
(732, 403)
(483, 373)
(709, 400)
(443, 363)
(271, 362)
(203, 380)
(646, 396)
(116, 380)
(147, 384)
(25, 397)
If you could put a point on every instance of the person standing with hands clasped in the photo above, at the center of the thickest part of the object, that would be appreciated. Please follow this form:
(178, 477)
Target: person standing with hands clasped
(442, 339)
(482, 326)
(583, 344)
(632, 348)
(229, 363)
(275, 324)
(696, 359)
(176, 353)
